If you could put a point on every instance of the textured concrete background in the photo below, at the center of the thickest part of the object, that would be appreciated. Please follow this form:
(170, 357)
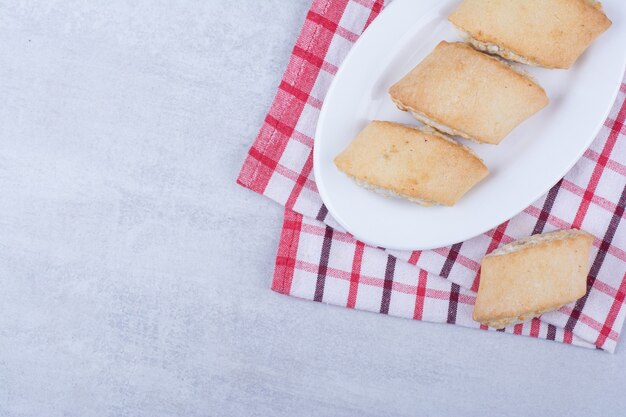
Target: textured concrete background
(134, 273)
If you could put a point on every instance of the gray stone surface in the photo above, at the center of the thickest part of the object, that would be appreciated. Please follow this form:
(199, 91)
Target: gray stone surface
(134, 273)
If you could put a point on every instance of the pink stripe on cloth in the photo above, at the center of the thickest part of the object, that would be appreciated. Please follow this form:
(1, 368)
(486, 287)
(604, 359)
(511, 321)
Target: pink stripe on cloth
(279, 165)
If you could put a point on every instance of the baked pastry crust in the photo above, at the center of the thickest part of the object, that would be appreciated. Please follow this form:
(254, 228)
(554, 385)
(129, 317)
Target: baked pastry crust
(547, 33)
(463, 92)
(403, 161)
(527, 278)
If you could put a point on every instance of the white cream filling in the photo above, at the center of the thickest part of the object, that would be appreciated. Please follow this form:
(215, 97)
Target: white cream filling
(392, 194)
(494, 49)
(503, 52)
(513, 65)
(435, 125)
(535, 240)
(509, 321)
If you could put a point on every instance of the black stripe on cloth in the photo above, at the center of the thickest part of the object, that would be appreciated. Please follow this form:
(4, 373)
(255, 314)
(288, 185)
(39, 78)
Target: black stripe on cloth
(547, 208)
(598, 261)
(321, 215)
(323, 268)
(455, 289)
(453, 304)
(450, 260)
(551, 332)
(389, 271)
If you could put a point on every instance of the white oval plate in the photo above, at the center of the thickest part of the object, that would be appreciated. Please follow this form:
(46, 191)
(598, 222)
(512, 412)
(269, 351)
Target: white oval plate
(523, 167)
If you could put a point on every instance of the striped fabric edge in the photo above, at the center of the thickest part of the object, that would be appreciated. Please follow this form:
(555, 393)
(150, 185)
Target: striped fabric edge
(427, 298)
(320, 26)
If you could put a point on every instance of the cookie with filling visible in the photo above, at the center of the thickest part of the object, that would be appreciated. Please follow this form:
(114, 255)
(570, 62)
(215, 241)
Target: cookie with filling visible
(463, 92)
(529, 277)
(546, 33)
(397, 160)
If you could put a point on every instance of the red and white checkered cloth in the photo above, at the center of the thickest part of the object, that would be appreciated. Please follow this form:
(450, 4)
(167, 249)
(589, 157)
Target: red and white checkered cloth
(319, 261)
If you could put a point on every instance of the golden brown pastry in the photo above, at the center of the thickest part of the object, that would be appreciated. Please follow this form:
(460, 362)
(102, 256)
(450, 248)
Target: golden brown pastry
(463, 92)
(547, 33)
(403, 161)
(529, 277)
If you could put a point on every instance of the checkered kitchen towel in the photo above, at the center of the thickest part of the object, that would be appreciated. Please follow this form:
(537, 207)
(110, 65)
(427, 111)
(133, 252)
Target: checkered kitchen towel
(319, 261)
